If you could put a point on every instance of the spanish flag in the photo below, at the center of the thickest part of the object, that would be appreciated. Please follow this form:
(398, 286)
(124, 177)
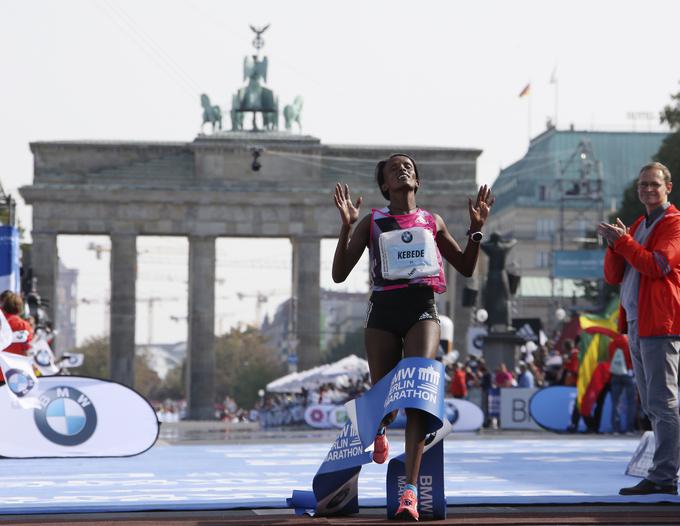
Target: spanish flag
(525, 91)
(593, 347)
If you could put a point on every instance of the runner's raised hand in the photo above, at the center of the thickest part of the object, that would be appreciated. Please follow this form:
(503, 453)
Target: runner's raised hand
(349, 213)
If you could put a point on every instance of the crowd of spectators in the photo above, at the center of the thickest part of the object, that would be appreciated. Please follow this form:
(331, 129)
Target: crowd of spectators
(540, 366)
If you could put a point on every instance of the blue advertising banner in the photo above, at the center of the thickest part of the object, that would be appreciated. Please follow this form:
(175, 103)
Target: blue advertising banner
(9, 258)
(413, 383)
(578, 264)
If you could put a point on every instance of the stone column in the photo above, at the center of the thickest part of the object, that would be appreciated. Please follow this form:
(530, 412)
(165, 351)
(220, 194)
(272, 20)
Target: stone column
(200, 378)
(307, 293)
(45, 264)
(123, 308)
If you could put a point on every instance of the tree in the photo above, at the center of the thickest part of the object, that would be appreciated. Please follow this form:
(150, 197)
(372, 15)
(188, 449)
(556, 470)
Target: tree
(244, 365)
(668, 154)
(96, 364)
(173, 385)
(96, 352)
(352, 344)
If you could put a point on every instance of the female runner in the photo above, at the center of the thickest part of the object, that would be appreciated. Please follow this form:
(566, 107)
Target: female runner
(402, 318)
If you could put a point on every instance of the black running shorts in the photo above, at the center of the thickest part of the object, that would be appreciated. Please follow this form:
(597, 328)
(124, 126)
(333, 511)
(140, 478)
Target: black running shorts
(398, 310)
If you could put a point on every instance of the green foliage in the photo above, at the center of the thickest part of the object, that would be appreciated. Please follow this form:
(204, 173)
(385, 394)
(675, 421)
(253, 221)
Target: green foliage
(352, 344)
(597, 295)
(244, 365)
(631, 208)
(173, 385)
(96, 364)
(668, 154)
(96, 351)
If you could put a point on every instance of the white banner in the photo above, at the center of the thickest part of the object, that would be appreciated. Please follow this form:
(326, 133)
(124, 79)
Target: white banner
(6, 334)
(326, 416)
(475, 340)
(21, 389)
(43, 357)
(78, 417)
(71, 360)
(515, 408)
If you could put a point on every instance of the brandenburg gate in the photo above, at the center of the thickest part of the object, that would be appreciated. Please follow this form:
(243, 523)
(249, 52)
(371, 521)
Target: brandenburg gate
(208, 188)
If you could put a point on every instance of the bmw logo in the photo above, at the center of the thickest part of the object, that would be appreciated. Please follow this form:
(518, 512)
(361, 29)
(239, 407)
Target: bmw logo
(406, 237)
(19, 382)
(66, 416)
(42, 357)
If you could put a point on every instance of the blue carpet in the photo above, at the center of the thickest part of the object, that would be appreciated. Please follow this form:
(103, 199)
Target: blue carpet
(198, 477)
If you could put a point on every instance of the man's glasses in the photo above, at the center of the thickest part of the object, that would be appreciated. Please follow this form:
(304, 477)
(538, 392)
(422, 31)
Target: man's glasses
(653, 186)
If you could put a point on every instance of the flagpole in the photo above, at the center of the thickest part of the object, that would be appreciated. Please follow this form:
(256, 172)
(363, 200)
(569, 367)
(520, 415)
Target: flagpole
(529, 115)
(556, 99)
(555, 82)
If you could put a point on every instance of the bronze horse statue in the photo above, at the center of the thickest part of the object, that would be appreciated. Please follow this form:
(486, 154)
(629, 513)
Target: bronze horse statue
(211, 114)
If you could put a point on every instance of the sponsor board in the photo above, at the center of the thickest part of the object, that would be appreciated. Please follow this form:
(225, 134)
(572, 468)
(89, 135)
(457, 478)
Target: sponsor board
(77, 417)
(326, 416)
(552, 407)
(515, 408)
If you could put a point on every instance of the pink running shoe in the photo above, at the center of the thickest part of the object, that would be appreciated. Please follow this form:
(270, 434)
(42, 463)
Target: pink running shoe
(381, 449)
(408, 506)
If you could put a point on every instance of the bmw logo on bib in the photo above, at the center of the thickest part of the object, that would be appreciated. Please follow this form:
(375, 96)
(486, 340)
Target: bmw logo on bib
(66, 416)
(406, 237)
(19, 383)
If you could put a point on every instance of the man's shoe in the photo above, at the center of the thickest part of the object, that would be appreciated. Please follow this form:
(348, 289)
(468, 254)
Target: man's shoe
(381, 449)
(408, 506)
(647, 487)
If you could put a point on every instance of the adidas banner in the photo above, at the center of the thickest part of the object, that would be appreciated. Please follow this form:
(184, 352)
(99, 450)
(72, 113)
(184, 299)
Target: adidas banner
(413, 383)
(77, 417)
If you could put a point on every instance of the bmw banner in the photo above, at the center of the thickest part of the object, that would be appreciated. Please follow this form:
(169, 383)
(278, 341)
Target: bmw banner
(21, 386)
(413, 383)
(43, 357)
(77, 417)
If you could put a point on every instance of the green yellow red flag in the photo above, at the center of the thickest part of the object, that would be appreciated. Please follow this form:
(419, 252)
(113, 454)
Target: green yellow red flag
(593, 347)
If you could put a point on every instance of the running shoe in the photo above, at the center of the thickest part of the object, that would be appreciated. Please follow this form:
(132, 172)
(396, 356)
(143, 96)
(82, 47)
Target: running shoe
(408, 506)
(381, 449)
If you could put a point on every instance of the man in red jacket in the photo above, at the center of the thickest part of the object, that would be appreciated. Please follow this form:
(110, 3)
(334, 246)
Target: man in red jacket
(645, 260)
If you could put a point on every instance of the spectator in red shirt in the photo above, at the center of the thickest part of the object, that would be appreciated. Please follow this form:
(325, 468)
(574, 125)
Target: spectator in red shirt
(22, 333)
(458, 382)
(504, 377)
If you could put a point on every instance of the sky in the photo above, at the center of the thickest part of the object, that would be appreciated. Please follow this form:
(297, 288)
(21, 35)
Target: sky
(441, 73)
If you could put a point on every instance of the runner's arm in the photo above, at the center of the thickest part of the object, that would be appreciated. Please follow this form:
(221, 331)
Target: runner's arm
(349, 248)
(463, 261)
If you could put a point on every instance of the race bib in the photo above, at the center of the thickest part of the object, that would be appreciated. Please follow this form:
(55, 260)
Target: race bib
(408, 254)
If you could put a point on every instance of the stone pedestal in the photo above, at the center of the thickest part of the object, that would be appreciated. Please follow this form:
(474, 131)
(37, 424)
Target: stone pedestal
(501, 347)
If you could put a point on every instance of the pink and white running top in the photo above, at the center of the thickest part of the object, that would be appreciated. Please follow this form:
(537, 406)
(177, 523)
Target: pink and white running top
(382, 221)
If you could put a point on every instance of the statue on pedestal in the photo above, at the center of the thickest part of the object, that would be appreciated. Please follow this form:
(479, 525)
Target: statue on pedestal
(255, 97)
(498, 288)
